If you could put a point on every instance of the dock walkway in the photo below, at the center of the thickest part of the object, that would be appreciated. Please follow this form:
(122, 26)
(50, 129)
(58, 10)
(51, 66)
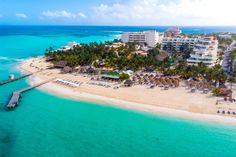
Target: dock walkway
(14, 101)
(18, 78)
(15, 79)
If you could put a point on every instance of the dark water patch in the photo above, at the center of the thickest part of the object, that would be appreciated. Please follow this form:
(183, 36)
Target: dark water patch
(4, 61)
(6, 142)
(47, 36)
(2, 107)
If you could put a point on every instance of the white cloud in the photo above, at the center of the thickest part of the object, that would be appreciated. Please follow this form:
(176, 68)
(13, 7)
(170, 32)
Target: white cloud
(172, 12)
(82, 15)
(21, 15)
(63, 14)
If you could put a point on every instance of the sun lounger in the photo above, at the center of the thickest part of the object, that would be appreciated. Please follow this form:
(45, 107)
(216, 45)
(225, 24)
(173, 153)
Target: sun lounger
(166, 87)
(193, 90)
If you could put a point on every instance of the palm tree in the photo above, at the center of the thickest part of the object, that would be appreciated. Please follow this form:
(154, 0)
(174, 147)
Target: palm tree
(231, 79)
(202, 68)
(219, 74)
(50, 49)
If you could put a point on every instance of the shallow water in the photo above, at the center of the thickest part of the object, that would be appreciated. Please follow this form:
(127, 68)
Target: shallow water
(46, 125)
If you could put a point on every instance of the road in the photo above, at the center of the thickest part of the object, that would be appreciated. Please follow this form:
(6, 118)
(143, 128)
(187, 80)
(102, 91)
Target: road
(225, 63)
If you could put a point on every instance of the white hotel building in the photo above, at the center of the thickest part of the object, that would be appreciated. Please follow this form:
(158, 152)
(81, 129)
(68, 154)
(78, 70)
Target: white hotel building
(151, 38)
(204, 48)
(177, 42)
(205, 51)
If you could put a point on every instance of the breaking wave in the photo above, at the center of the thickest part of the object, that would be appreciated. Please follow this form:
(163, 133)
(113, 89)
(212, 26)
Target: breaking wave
(7, 59)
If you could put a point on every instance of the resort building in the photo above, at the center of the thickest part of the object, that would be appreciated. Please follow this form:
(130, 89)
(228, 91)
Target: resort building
(70, 45)
(204, 51)
(225, 35)
(117, 45)
(173, 31)
(204, 48)
(141, 52)
(178, 43)
(151, 38)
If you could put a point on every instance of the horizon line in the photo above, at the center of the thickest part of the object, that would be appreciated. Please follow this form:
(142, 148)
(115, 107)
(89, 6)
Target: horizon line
(120, 25)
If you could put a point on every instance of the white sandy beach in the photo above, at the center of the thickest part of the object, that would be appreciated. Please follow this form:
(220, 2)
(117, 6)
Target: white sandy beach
(177, 102)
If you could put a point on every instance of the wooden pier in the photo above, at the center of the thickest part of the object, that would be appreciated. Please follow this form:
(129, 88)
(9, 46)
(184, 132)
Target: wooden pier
(15, 79)
(20, 77)
(14, 101)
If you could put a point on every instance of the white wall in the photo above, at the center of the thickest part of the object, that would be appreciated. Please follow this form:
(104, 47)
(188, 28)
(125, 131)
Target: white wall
(151, 37)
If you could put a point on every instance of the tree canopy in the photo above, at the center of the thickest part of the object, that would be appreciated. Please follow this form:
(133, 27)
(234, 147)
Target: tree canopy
(121, 58)
(124, 57)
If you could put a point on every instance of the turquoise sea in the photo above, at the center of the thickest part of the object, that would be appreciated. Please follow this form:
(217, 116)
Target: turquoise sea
(45, 125)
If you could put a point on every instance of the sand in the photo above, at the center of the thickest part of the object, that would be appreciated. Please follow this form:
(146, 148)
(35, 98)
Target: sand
(177, 102)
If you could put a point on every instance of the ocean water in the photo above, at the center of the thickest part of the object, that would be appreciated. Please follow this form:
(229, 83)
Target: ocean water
(45, 125)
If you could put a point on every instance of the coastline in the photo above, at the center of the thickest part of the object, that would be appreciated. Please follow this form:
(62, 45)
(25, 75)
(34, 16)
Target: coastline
(156, 109)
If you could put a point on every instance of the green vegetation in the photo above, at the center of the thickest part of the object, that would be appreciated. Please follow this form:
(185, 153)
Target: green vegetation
(227, 41)
(124, 57)
(216, 91)
(121, 58)
(215, 73)
(124, 76)
(233, 54)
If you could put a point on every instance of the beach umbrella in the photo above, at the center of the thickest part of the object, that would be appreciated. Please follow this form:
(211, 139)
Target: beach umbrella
(152, 82)
(128, 83)
(145, 80)
(176, 83)
(168, 80)
(161, 79)
(60, 64)
(67, 69)
(164, 83)
(158, 82)
(134, 79)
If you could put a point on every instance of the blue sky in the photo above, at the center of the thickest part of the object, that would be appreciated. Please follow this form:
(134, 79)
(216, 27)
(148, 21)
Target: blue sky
(117, 12)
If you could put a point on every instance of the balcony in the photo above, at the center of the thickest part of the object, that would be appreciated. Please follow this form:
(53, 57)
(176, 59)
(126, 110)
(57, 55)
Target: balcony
(197, 60)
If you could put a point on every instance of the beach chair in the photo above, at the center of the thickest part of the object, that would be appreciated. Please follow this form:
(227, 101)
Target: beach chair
(193, 90)
(151, 87)
(166, 87)
(205, 91)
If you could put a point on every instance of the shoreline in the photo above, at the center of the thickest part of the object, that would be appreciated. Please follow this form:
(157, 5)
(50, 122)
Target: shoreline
(157, 109)
(144, 108)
